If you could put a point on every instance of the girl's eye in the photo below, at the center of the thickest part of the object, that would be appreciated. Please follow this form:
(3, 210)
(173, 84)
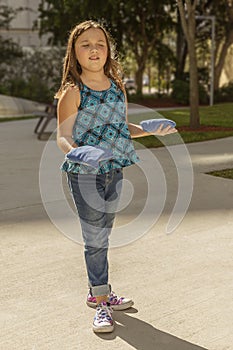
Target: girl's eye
(85, 45)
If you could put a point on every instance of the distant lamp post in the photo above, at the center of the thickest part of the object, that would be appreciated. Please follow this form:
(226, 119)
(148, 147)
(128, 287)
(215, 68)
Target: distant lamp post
(212, 19)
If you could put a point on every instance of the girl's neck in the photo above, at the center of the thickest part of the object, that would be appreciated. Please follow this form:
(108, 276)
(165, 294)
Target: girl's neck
(95, 81)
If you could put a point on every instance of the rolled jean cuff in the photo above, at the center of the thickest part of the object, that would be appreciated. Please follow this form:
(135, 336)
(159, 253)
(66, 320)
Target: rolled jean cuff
(104, 289)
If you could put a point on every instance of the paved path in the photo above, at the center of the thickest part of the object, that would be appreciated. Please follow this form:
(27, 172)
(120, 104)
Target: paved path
(18, 107)
(182, 283)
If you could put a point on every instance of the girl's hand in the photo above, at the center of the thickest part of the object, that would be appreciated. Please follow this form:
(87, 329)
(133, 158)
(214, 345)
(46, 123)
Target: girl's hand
(166, 131)
(159, 126)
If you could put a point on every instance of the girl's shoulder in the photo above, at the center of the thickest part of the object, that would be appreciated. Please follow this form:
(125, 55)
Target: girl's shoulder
(70, 94)
(70, 90)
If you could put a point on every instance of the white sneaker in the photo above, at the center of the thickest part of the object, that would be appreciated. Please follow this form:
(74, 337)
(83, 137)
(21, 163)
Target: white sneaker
(103, 321)
(116, 303)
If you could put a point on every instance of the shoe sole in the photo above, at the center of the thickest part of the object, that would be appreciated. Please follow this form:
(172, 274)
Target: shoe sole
(107, 329)
(119, 307)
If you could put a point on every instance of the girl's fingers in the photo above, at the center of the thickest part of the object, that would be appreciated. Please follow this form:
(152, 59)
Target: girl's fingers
(167, 130)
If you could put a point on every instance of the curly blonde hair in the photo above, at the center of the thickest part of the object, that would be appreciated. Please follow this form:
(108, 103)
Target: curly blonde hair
(71, 67)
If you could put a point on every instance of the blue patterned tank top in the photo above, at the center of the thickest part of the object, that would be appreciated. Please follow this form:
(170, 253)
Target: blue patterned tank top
(101, 120)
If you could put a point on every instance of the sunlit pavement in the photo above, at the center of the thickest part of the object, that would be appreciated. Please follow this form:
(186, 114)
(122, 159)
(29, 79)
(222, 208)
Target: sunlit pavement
(17, 107)
(181, 282)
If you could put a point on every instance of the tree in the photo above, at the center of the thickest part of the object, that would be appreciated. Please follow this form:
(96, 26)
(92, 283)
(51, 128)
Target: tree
(223, 12)
(32, 76)
(9, 50)
(7, 14)
(225, 40)
(163, 58)
(181, 48)
(143, 24)
(137, 26)
(53, 12)
(188, 21)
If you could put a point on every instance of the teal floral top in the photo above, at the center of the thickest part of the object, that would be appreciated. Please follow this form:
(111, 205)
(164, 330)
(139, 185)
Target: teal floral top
(101, 120)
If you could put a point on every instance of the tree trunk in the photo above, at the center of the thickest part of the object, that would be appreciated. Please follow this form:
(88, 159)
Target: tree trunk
(149, 79)
(228, 42)
(181, 50)
(189, 28)
(194, 93)
(181, 54)
(139, 76)
(219, 67)
(141, 63)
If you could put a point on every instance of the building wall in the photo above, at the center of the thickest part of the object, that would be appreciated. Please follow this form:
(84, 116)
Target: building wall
(21, 28)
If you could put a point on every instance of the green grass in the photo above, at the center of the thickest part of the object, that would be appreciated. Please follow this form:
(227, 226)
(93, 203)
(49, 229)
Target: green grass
(226, 173)
(217, 115)
(11, 119)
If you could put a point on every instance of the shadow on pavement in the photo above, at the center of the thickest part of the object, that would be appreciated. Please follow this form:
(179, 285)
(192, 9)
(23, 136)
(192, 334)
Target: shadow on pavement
(143, 336)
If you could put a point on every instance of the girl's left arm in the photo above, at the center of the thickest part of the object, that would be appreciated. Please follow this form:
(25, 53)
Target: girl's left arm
(137, 131)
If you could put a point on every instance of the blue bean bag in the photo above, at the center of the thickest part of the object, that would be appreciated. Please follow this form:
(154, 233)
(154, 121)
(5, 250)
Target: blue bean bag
(151, 125)
(89, 155)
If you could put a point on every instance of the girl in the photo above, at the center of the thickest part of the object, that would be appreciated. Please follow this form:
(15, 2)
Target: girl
(92, 112)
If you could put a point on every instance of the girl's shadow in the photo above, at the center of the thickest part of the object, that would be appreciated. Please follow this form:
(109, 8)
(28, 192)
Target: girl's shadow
(143, 336)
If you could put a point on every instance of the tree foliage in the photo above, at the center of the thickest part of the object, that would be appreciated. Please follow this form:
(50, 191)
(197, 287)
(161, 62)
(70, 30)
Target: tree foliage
(9, 49)
(7, 14)
(223, 11)
(32, 76)
(141, 30)
(138, 26)
(143, 26)
(59, 16)
(27, 74)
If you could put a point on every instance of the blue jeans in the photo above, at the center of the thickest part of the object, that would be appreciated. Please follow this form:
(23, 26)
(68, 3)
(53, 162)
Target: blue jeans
(96, 198)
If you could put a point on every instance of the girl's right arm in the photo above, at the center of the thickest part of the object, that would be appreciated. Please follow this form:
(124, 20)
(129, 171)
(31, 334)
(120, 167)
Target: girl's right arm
(67, 110)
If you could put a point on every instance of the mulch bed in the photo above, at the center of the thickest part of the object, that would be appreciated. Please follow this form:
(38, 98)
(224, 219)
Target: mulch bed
(158, 103)
(205, 128)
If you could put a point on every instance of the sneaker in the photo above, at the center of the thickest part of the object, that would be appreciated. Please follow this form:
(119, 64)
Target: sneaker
(103, 322)
(116, 303)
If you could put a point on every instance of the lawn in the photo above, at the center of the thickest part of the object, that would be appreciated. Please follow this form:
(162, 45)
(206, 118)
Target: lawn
(216, 122)
(226, 173)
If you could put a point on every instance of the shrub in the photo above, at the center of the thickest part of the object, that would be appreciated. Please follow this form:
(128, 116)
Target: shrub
(224, 94)
(180, 92)
(35, 76)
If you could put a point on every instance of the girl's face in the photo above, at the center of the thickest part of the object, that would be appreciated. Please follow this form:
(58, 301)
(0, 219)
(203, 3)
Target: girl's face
(91, 50)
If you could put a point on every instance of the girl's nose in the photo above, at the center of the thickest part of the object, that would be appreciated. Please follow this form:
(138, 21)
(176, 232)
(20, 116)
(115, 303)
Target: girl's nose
(93, 49)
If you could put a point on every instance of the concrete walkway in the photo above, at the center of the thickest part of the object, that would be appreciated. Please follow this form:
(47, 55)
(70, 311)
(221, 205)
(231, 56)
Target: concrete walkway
(18, 107)
(181, 283)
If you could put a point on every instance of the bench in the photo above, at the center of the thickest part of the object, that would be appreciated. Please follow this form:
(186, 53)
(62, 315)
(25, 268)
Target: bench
(45, 117)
